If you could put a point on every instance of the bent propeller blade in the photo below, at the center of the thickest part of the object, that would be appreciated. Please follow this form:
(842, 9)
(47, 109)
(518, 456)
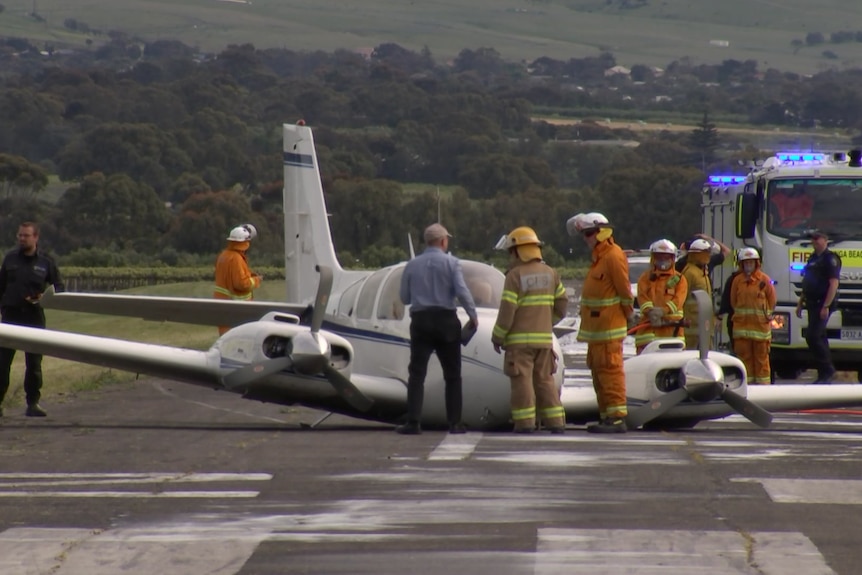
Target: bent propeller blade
(347, 390)
(753, 412)
(324, 287)
(655, 408)
(252, 372)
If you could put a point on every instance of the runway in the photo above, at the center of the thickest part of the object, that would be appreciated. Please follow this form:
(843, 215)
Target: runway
(158, 477)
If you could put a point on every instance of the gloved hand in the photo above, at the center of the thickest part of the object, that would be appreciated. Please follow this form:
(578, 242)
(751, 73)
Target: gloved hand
(656, 317)
(497, 347)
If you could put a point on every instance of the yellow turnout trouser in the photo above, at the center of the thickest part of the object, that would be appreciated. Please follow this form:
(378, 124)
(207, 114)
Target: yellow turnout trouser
(531, 372)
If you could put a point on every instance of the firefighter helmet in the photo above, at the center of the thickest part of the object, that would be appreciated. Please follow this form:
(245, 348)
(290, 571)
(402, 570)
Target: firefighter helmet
(699, 245)
(243, 233)
(581, 223)
(747, 254)
(662, 247)
(522, 236)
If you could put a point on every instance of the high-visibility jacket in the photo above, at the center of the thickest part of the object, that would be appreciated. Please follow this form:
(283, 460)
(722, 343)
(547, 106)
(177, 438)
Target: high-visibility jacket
(533, 300)
(606, 300)
(697, 278)
(752, 299)
(664, 290)
(233, 278)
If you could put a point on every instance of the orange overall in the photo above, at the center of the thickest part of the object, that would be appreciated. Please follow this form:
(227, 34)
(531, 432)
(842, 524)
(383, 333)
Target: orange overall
(606, 303)
(233, 278)
(753, 299)
(665, 290)
(696, 274)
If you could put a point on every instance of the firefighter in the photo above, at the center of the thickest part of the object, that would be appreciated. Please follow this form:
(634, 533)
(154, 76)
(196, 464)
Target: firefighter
(533, 300)
(606, 309)
(233, 278)
(752, 297)
(661, 294)
(696, 272)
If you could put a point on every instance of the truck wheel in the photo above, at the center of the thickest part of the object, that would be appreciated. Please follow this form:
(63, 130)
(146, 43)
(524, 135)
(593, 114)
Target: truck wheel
(788, 373)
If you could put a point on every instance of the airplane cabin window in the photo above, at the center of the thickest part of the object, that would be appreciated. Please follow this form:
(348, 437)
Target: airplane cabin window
(348, 299)
(390, 306)
(484, 282)
(365, 303)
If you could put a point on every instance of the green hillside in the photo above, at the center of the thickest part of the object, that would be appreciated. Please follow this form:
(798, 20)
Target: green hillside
(652, 32)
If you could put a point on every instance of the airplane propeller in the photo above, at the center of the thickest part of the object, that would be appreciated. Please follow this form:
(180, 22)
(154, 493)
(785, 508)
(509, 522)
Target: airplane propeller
(308, 354)
(702, 380)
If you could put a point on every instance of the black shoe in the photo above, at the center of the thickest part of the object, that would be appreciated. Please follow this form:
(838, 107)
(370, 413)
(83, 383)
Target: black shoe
(457, 428)
(826, 379)
(524, 430)
(35, 410)
(557, 430)
(608, 425)
(409, 428)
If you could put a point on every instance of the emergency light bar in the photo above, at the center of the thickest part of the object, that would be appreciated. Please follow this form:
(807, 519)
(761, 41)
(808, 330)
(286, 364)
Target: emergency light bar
(798, 157)
(726, 179)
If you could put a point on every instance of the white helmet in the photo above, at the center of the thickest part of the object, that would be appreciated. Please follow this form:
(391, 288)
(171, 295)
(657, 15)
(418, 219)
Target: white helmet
(747, 254)
(243, 233)
(699, 245)
(662, 247)
(581, 223)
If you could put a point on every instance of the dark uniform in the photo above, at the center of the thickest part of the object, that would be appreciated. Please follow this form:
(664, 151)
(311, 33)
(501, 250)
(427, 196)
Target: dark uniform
(23, 276)
(815, 285)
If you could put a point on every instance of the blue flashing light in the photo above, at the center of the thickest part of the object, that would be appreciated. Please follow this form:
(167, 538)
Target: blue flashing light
(797, 267)
(726, 179)
(800, 157)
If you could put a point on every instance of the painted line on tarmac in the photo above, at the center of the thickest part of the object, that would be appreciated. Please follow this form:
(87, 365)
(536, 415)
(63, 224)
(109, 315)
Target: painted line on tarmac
(456, 447)
(819, 491)
(34, 484)
(588, 551)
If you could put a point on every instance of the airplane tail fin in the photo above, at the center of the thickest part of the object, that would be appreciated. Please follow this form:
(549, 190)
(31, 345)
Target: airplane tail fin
(307, 237)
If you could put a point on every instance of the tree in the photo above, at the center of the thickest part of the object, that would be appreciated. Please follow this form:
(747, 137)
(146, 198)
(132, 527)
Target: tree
(18, 176)
(111, 210)
(206, 219)
(704, 140)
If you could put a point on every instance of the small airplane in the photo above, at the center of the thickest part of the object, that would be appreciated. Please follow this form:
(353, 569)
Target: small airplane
(340, 343)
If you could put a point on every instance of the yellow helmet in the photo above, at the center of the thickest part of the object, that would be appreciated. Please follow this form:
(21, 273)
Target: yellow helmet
(525, 239)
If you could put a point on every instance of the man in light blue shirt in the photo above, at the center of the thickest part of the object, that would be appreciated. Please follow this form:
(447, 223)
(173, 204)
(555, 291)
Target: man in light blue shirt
(430, 284)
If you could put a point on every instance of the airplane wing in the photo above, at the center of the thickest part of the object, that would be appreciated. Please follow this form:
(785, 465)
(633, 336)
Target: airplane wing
(190, 310)
(795, 397)
(190, 366)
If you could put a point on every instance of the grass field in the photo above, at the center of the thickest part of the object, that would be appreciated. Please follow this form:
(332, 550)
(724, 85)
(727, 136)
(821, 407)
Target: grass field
(63, 380)
(655, 34)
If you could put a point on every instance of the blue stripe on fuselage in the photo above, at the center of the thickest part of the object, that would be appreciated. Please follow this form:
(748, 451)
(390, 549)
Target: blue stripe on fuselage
(377, 337)
(298, 160)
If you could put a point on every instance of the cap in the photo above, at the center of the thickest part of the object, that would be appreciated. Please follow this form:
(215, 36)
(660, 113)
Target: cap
(436, 232)
(817, 234)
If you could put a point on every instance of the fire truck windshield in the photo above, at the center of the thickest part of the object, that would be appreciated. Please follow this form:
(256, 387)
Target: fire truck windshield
(794, 206)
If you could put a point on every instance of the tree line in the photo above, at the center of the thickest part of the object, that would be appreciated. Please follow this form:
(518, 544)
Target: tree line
(161, 150)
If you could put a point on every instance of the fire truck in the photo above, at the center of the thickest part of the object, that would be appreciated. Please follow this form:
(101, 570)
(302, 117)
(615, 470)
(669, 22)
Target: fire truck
(773, 208)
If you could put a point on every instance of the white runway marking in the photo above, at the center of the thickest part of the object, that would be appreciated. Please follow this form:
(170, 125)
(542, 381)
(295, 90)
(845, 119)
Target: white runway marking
(823, 491)
(159, 485)
(456, 447)
(590, 551)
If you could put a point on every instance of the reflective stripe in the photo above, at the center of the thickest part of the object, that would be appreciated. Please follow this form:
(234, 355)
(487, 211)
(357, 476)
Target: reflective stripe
(524, 413)
(646, 305)
(556, 411)
(751, 334)
(601, 302)
(672, 306)
(510, 297)
(231, 295)
(617, 411)
(530, 300)
(611, 334)
(534, 337)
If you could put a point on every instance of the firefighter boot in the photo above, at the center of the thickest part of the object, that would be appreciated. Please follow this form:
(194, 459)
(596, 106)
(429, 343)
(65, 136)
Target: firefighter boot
(608, 425)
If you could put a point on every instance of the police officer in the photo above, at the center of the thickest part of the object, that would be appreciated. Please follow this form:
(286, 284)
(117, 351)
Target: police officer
(24, 275)
(820, 298)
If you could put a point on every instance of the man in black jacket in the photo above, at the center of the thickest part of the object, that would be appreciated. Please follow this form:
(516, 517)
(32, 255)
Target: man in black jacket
(24, 275)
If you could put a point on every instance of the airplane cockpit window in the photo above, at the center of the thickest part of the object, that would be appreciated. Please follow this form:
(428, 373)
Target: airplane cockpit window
(365, 303)
(484, 282)
(390, 306)
(348, 299)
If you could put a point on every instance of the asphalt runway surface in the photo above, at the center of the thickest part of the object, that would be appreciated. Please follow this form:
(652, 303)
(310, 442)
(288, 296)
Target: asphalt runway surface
(159, 477)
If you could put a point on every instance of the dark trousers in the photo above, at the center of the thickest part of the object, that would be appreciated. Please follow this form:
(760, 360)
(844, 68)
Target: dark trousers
(817, 342)
(31, 316)
(434, 331)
